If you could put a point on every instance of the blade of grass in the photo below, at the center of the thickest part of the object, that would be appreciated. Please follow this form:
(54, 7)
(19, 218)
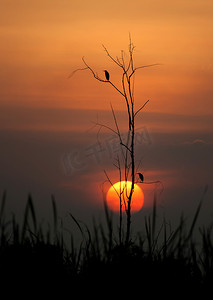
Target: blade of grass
(154, 218)
(55, 215)
(197, 213)
(32, 211)
(28, 209)
(77, 223)
(2, 205)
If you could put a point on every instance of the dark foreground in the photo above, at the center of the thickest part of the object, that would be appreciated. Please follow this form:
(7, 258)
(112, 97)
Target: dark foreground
(34, 262)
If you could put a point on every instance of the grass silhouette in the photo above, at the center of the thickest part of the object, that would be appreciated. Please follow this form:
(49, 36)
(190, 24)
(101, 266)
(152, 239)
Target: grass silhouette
(31, 256)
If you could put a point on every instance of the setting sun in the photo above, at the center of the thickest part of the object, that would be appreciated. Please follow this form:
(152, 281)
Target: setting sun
(123, 188)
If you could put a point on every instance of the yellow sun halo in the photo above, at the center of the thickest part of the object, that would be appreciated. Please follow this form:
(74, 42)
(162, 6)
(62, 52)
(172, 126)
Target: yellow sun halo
(123, 188)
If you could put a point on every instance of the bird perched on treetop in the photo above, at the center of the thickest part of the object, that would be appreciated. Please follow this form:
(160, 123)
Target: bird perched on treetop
(106, 75)
(141, 176)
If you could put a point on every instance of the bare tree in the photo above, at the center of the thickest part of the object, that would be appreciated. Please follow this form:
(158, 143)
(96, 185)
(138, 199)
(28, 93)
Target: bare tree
(126, 163)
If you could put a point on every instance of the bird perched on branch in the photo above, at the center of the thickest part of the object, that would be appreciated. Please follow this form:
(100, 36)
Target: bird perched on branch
(106, 75)
(141, 177)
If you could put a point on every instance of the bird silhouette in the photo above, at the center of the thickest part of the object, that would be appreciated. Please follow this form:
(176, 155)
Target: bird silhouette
(141, 177)
(106, 75)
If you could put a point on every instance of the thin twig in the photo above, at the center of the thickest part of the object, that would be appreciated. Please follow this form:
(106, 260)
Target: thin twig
(82, 69)
(94, 74)
(126, 97)
(141, 108)
(110, 56)
(111, 183)
(117, 127)
(126, 147)
(105, 126)
(146, 66)
(142, 67)
(115, 120)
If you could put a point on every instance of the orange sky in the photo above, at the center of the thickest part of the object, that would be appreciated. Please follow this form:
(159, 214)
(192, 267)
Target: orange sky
(44, 116)
(43, 41)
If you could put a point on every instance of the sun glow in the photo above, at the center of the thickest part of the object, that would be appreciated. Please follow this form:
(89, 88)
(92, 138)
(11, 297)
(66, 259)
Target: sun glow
(123, 188)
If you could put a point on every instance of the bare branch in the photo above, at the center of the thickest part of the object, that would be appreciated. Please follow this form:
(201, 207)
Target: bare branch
(105, 126)
(94, 74)
(118, 133)
(82, 69)
(142, 67)
(125, 146)
(146, 66)
(126, 98)
(121, 217)
(115, 120)
(110, 56)
(123, 61)
(118, 60)
(154, 182)
(99, 79)
(141, 108)
(131, 49)
(111, 183)
(116, 88)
